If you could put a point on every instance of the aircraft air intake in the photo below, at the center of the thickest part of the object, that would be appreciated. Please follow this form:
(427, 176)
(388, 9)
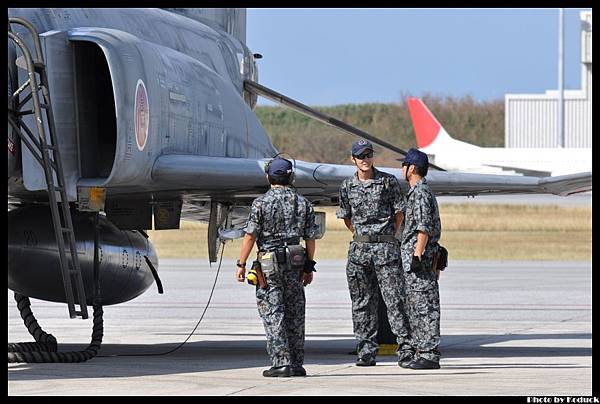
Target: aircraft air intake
(95, 109)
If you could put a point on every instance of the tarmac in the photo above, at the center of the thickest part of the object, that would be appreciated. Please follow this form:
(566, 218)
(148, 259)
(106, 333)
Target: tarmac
(508, 329)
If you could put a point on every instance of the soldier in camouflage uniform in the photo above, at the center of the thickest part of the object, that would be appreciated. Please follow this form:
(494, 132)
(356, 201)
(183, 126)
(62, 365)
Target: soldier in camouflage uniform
(372, 204)
(278, 219)
(422, 229)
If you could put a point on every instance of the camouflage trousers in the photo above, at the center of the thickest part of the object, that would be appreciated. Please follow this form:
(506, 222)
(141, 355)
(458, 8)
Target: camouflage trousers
(373, 265)
(422, 302)
(281, 307)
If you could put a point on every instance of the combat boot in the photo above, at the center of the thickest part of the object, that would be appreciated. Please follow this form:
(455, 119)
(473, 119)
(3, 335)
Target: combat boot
(365, 362)
(405, 359)
(298, 370)
(281, 371)
(423, 363)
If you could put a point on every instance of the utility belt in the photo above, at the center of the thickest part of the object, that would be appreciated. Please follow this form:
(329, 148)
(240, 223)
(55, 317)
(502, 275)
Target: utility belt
(280, 254)
(294, 256)
(276, 254)
(376, 239)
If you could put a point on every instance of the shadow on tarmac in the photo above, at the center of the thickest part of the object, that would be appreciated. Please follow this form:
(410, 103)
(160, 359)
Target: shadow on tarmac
(130, 360)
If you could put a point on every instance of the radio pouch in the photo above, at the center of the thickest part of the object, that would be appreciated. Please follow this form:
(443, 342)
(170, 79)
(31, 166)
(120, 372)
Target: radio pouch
(442, 258)
(296, 256)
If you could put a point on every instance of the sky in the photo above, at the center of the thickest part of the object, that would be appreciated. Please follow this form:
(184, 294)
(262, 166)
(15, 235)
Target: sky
(324, 57)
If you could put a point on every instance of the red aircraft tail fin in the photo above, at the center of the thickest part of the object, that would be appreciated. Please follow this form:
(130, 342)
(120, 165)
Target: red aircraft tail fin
(427, 128)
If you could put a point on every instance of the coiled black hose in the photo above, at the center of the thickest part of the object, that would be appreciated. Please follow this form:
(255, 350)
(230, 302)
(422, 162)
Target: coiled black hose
(44, 350)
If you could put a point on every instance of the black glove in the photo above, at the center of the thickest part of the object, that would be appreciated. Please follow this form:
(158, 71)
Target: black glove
(309, 266)
(416, 265)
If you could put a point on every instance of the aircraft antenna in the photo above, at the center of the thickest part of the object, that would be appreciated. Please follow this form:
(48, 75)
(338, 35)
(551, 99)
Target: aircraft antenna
(273, 95)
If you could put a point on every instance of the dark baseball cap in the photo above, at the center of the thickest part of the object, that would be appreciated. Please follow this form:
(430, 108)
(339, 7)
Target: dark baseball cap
(360, 146)
(280, 167)
(416, 157)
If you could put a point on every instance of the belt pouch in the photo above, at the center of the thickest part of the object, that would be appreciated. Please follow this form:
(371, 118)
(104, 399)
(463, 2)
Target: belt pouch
(266, 263)
(297, 256)
(280, 255)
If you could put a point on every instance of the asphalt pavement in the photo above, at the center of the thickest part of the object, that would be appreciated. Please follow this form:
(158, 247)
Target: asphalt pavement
(508, 328)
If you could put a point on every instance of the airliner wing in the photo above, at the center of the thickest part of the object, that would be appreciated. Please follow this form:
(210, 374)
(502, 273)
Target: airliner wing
(241, 178)
(524, 171)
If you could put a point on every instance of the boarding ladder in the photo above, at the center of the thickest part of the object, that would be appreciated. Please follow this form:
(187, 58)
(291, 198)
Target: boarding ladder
(47, 154)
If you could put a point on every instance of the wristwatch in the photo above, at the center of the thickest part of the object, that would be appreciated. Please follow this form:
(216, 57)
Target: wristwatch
(240, 264)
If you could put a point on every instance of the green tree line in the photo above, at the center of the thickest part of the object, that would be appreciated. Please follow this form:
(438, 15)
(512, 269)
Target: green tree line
(480, 123)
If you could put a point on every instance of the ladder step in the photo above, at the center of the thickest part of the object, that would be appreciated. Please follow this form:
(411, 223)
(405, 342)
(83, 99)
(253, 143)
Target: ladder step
(51, 164)
(23, 113)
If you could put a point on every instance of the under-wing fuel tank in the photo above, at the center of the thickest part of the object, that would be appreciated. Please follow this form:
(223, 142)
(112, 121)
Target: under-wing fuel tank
(33, 262)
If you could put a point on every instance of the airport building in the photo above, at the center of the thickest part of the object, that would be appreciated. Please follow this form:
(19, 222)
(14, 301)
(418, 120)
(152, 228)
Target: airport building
(531, 120)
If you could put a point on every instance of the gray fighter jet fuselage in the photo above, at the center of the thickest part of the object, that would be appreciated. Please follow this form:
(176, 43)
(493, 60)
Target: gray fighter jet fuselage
(136, 84)
(127, 86)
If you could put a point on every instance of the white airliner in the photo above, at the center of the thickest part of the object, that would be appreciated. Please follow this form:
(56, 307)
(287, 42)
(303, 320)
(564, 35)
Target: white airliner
(453, 154)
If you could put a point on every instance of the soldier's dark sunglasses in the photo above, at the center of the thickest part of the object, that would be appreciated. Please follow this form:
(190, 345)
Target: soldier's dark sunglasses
(363, 156)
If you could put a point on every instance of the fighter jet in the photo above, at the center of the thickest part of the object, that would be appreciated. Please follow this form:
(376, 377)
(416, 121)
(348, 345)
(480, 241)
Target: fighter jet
(124, 120)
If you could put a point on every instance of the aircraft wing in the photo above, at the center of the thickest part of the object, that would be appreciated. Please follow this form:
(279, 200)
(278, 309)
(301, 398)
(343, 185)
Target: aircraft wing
(245, 178)
(455, 183)
(524, 171)
(568, 184)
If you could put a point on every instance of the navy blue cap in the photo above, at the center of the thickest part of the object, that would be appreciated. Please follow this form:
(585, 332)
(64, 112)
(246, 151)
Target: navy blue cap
(360, 146)
(280, 167)
(416, 157)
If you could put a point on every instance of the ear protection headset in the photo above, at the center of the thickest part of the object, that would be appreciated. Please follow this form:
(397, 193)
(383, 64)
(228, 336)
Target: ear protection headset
(292, 175)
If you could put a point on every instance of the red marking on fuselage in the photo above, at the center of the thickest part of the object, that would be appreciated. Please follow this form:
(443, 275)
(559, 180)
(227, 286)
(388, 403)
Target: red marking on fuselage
(141, 115)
